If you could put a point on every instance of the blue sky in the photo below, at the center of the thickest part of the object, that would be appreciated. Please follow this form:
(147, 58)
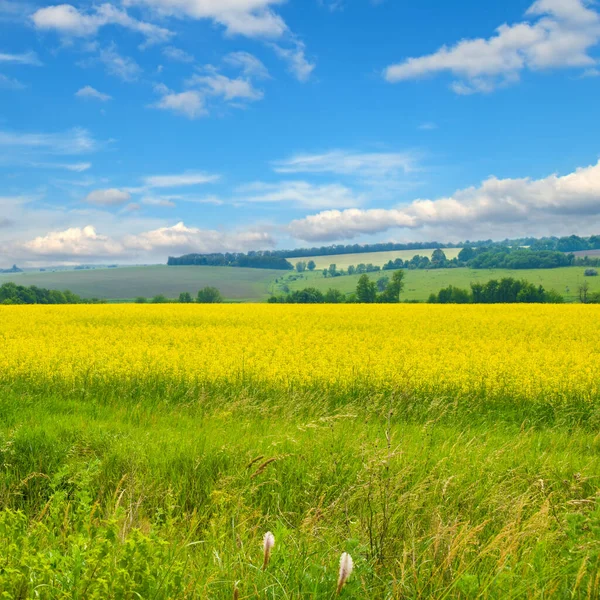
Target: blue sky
(131, 130)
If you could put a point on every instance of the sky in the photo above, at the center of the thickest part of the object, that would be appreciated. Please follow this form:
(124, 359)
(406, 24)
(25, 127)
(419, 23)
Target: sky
(134, 130)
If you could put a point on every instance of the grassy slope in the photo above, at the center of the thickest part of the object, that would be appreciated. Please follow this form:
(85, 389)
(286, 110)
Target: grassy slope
(420, 284)
(375, 258)
(129, 282)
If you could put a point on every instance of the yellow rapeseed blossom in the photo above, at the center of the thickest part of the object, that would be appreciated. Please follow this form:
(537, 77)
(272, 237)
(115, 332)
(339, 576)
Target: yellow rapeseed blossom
(527, 351)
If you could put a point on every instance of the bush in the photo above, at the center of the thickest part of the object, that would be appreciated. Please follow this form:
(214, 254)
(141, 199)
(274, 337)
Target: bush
(160, 299)
(209, 295)
(591, 273)
(141, 300)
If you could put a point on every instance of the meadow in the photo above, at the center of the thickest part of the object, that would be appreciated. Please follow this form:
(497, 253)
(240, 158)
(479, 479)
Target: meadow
(419, 284)
(452, 451)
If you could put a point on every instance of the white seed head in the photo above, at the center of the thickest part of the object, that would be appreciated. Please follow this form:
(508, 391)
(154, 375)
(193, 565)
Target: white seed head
(268, 544)
(346, 566)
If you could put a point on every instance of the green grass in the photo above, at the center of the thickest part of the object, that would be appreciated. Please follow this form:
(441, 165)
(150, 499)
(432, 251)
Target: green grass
(129, 282)
(160, 497)
(343, 261)
(419, 284)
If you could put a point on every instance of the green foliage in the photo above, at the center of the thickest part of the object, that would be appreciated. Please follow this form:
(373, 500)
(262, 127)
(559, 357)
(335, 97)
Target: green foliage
(334, 296)
(392, 291)
(311, 266)
(382, 283)
(185, 298)
(366, 290)
(504, 291)
(301, 266)
(209, 295)
(141, 300)
(10, 293)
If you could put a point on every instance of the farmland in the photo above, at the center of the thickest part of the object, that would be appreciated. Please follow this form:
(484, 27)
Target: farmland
(421, 283)
(452, 451)
(126, 283)
(343, 261)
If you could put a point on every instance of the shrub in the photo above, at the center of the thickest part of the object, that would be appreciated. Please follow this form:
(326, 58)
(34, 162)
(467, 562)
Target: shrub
(591, 273)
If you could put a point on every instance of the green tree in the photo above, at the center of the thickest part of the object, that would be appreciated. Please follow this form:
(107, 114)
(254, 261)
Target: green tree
(209, 295)
(301, 266)
(141, 300)
(351, 270)
(160, 299)
(334, 296)
(311, 266)
(332, 270)
(466, 254)
(382, 283)
(366, 290)
(394, 288)
(185, 298)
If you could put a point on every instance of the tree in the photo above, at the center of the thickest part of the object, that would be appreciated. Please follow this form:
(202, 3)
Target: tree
(334, 296)
(160, 299)
(185, 298)
(438, 258)
(311, 265)
(382, 283)
(394, 288)
(366, 290)
(209, 295)
(141, 300)
(466, 254)
(583, 292)
(301, 266)
(332, 270)
(351, 270)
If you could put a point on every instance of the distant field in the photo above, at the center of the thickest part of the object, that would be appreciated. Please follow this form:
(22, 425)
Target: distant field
(420, 284)
(128, 282)
(343, 261)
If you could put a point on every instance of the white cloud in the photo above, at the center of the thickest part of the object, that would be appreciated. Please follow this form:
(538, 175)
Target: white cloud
(74, 141)
(298, 64)
(429, 126)
(188, 104)
(74, 167)
(182, 239)
(27, 58)
(561, 35)
(179, 180)
(248, 64)
(8, 83)
(77, 244)
(300, 193)
(123, 67)
(177, 54)
(216, 84)
(343, 162)
(163, 202)
(109, 197)
(251, 18)
(72, 244)
(68, 20)
(91, 93)
(500, 205)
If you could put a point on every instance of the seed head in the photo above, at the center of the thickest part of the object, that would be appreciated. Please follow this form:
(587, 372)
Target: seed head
(346, 566)
(268, 544)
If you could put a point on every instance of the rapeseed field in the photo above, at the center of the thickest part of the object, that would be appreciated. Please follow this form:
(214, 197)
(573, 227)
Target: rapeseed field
(450, 451)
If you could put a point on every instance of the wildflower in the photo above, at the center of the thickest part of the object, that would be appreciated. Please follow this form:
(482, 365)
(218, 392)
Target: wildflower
(268, 544)
(346, 566)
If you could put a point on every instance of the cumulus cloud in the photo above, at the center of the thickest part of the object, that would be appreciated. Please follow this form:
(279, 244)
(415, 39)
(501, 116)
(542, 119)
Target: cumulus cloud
(88, 92)
(188, 104)
(109, 197)
(300, 193)
(123, 67)
(558, 34)
(77, 244)
(344, 162)
(250, 18)
(70, 21)
(498, 205)
(72, 244)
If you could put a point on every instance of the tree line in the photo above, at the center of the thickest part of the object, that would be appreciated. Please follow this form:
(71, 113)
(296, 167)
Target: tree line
(207, 295)
(385, 291)
(11, 293)
(253, 260)
(504, 291)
